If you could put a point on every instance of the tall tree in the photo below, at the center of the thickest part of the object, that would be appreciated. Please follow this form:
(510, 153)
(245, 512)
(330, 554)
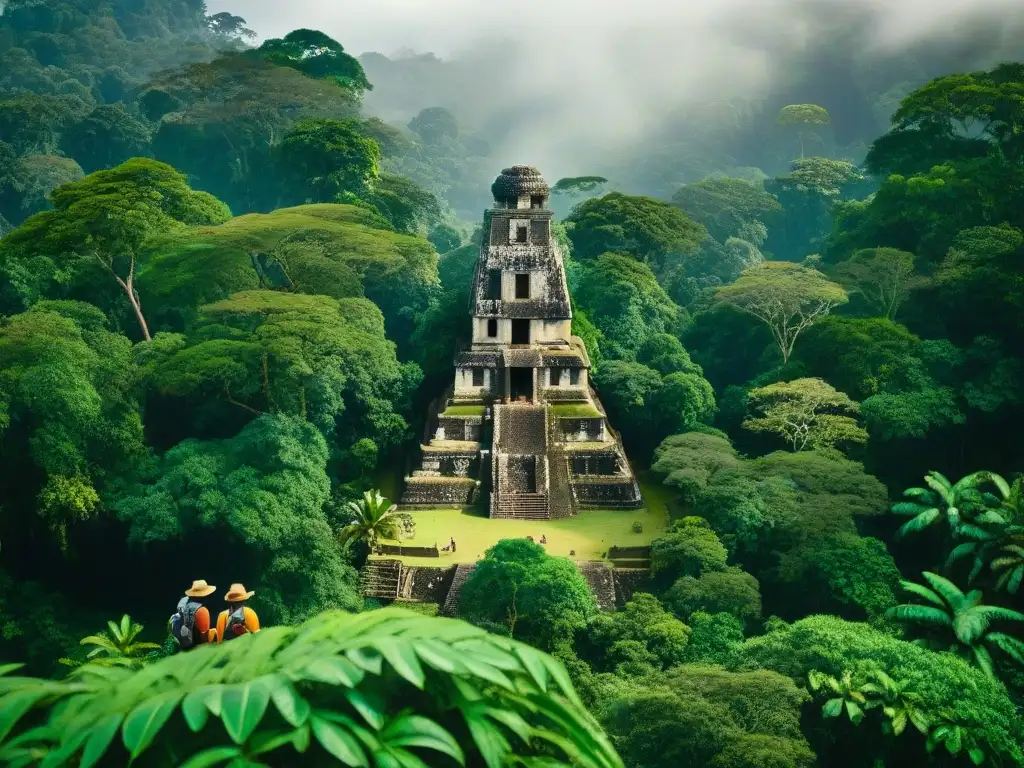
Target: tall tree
(318, 56)
(102, 222)
(321, 158)
(803, 116)
(806, 413)
(786, 297)
(881, 276)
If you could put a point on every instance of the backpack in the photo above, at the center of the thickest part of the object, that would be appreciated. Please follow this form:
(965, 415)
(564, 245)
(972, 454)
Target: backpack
(235, 626)
(183, 621)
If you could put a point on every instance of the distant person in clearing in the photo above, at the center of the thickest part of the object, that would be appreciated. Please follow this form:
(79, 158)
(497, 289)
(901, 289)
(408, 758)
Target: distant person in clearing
(453, 544)
(238, 619)
(543, 539)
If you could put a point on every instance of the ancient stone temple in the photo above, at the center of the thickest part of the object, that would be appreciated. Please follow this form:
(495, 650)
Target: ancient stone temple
(521, 429)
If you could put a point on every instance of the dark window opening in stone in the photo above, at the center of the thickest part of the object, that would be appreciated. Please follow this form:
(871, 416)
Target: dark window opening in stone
(521, 383)
(523, 286)
(494, 284)
(492, 328)
(520, 331)
(574, 377)
(537, 201)
(556, 376)
(521, 234)
(478, 377)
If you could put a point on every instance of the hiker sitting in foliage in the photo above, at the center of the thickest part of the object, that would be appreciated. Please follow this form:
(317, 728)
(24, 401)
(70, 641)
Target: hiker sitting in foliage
(190, 624)
(238, 619)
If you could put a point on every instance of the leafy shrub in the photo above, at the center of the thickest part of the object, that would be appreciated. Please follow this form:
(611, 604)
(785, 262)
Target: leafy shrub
(638, 527)
(380, 688)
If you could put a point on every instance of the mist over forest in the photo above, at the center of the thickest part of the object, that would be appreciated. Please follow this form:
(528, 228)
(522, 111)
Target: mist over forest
(550, 383)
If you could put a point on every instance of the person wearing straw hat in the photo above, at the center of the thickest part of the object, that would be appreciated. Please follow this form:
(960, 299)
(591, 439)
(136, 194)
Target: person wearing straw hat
(238, 619)
(190, 624)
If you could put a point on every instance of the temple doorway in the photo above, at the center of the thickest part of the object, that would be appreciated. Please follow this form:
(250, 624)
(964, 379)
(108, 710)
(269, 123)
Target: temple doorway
(520, 384)
(520, 331)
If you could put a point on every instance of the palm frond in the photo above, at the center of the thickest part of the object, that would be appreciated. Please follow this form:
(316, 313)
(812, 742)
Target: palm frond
(923, 592)
(920, 614)
(346, 688)
(949, 591)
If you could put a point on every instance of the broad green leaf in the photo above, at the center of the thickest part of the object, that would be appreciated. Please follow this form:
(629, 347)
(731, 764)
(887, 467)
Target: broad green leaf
(212, 756)
(402, 659)
(242, 708)
(293, 708)
(145, 721)
(198, 705)
(491, 742)
(533, 664)
(418, 731)
(367, 658)
(268, 742)
(401, 757)
(14, 705)
(334, 670)
(5, 668)
(437, 655)
(832, 708)
(338, 742)
(369, 706)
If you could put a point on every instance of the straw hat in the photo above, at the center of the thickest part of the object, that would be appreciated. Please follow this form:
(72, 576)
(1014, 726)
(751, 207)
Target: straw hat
(200, 589)
(237, 594)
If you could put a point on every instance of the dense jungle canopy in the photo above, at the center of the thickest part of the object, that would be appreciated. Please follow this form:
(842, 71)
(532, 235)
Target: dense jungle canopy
(233, 270)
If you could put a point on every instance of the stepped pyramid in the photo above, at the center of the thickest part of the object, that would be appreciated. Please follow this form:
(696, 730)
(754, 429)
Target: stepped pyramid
(521, 428)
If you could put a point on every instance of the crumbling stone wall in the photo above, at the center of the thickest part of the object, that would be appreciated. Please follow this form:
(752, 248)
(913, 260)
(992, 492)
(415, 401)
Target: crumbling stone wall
(628, 582)
(439, 491)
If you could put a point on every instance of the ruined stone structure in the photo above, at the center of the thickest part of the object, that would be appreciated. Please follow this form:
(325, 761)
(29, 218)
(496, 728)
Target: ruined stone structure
(521, 426)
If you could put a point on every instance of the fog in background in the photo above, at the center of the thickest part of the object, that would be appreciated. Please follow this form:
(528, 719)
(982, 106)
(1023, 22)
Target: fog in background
(579, 87)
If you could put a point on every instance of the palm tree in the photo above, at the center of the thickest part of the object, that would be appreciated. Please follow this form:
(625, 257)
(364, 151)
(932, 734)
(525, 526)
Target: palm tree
(117, 647)
(965, 616)
(371, 518)
(1000, 545)
(964, 506)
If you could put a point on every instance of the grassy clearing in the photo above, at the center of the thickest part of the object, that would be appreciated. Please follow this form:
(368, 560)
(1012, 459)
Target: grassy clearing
(464, 410)
(589, 534)
(575, 411)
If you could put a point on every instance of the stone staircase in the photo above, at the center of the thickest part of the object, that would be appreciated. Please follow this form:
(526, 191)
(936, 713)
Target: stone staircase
(451, 602)
(560, 503)
(521, 439)
(601, 582)
(522, 506)
(382, 578)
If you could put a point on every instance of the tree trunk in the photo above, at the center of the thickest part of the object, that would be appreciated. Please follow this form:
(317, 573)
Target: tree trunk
(128, 286)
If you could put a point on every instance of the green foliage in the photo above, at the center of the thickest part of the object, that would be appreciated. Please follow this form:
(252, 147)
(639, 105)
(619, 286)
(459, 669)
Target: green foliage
(107, 136)
(117, 646)
(725, 207)
(88, 245)
(407, 206)
(946, 685)
(806, 413)
(649, 230)
(622, 298)
(788, 298)
(574, 186)
(317, 56)
(371, 518)
(230, 114)
(703, 715)
(639, 639)
(68, 416)
(313, 357)
(730, 591)
(690, 548)
(445, 238)
(260, 495)
(336, 250)
(381, 688)
(962, 619)
(533, 596)
(434, 124)
(960, 507)
(320, 159)
(881, 277)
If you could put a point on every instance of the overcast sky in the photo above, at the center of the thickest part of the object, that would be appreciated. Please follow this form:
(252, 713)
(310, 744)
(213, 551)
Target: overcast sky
(445, 26)
(605, 70)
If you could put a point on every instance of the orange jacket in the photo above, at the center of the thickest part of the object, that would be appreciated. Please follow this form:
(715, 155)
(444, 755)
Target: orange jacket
(252, 622)
(203, 633)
